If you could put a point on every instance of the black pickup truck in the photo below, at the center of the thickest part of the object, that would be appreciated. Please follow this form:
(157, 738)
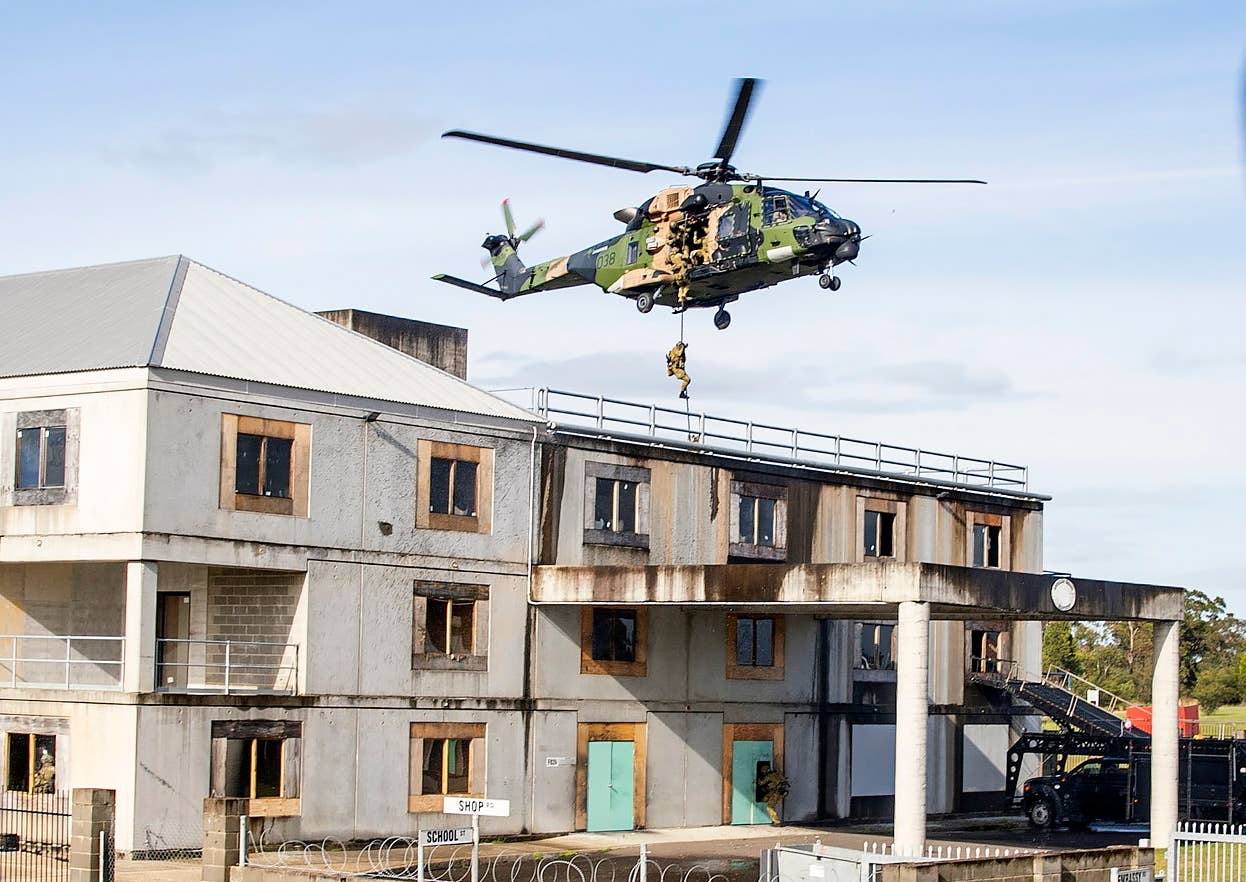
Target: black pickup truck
(1117, 789)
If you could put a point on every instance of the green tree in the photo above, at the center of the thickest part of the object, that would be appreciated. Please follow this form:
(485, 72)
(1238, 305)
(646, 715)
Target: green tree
(1217, 686)
(1060, 647)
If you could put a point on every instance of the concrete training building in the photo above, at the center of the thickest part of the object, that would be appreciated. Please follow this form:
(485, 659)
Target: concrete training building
(247, 551)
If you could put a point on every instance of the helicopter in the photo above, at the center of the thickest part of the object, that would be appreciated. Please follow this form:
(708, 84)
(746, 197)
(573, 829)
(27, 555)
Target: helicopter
(689, 246)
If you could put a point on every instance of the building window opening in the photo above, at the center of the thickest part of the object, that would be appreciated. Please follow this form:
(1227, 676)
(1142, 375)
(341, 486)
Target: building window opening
(614, 635)
(757, 521)
(255, 768)
(986, 545)
(877, 647)
(40, 458)
(754, 641)
(263, 466)
(615, 506)
(452, 487)
(447, 765)
(450, 626)
(31, 763)
(984, 651)
(880, 529)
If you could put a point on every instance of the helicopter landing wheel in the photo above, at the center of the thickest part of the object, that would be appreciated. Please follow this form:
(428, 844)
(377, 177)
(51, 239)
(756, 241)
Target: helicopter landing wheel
(722, 319)
(644, 301)
(828, 281)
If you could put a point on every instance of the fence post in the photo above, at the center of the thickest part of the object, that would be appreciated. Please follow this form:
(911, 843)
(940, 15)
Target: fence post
(222, 830)
(92, 813)
(228, 645)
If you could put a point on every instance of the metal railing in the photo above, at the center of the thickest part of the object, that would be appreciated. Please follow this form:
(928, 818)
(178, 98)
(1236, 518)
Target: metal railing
(227, 666)
(1108, 701)
(44, 661)
(777, 443)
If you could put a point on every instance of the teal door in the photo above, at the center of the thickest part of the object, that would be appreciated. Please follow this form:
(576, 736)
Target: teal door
(610, 785)
(746, 756)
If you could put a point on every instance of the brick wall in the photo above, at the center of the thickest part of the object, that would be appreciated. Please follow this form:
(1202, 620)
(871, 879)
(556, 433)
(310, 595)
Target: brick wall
(251, 606)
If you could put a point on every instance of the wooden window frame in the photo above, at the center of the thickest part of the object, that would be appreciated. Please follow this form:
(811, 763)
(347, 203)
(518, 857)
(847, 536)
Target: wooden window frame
(899, 537)
(482, 521)
(594, 471)
(32, 760)
(752, 489)
(857, 633)
(733, 732)
(296, 504)
(637, 733)
(419, 802)
(1004, 522)
(290, 734)
(421, 658)
(775, 671)
(639, 667)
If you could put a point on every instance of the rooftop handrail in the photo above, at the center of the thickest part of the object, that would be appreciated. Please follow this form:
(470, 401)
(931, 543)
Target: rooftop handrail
(709, 431)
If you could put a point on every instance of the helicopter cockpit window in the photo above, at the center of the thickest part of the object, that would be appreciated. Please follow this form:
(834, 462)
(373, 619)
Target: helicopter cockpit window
(777, 209)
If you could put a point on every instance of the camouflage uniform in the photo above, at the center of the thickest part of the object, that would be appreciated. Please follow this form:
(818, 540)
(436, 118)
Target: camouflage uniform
(675, 362)
(774, 787)
(45, 777)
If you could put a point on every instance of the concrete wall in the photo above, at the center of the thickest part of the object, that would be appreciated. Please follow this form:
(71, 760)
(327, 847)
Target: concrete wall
(111, 409)
(352, 494)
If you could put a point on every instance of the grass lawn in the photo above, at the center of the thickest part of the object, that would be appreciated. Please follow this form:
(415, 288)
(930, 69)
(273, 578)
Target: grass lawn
(1226, 713)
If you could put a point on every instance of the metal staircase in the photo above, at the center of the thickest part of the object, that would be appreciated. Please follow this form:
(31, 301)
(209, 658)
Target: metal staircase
(1055, 693)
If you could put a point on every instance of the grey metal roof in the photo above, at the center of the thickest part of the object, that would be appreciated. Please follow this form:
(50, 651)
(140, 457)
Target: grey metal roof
(175, 313)
(84, 318)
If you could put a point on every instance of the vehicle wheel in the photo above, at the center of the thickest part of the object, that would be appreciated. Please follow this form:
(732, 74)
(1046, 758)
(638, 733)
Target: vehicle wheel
(825, 281)
(722, 319)
(835, 283)
(644, 301)
(1042, 814)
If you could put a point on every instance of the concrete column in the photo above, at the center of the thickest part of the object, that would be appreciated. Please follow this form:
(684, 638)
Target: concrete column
(221, 832)
(92, 812)
(140, 626)
(1165, 732)
(912, 708)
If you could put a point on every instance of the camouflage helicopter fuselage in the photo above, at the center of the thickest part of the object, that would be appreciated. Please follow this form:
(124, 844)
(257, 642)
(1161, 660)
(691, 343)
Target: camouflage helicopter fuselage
(691, 247)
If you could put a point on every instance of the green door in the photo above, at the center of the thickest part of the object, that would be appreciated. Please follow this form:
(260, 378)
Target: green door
(746, 756)
(610, 785)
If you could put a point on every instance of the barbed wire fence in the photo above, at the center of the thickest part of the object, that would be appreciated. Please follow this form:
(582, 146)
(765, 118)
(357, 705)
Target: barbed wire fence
(397, 857)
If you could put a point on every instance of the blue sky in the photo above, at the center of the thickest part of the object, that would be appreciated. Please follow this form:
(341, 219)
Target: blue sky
(1082, 314)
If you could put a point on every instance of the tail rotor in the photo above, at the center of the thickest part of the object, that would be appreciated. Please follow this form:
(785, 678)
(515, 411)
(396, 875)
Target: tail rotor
(510, 226)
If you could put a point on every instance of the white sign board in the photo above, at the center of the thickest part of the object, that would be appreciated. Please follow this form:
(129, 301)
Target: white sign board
(1140, 875)
(461, 836)
(554, 761)
(473, 805)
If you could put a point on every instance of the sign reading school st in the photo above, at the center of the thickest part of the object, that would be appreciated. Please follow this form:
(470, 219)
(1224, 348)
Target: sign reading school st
(461, 836)
(470, 805)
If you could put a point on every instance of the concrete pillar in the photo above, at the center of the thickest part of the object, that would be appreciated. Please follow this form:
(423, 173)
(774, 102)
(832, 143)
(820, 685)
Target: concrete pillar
(1165, 732)
(92, 813)
(221, 830)
(140, 626)
(912, 685)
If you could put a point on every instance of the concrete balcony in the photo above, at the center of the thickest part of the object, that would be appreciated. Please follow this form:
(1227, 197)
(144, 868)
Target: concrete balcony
(863, 591)
(227, 667)
(46, 661)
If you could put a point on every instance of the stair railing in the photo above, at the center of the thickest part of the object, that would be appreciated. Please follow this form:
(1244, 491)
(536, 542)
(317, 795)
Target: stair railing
(1108, 701)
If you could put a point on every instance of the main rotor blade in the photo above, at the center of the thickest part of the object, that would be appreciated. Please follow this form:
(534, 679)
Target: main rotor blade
(868, 180)
(594, 158)
(731, 131)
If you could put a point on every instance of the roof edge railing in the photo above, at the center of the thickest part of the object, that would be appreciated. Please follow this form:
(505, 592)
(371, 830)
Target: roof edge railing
(710, 432)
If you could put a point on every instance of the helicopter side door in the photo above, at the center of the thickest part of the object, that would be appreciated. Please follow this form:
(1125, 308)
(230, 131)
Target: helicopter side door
(735, 239)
